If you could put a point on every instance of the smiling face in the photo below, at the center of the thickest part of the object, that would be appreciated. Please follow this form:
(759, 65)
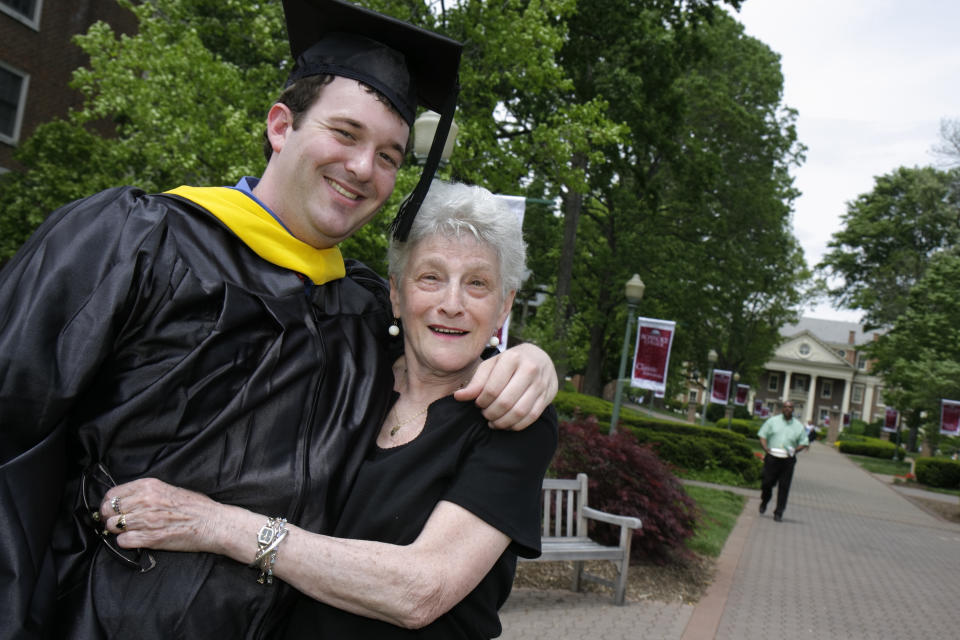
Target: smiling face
(330, 175)
(450, 303)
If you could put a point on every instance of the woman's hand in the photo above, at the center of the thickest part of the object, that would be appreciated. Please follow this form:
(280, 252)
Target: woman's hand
(153, 514)
(514, 387)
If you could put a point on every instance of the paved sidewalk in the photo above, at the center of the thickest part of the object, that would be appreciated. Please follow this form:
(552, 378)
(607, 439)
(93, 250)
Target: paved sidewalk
(853, 559)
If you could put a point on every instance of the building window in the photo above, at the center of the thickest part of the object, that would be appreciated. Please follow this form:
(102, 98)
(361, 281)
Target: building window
(801, 383)
(692, 396)
(861, 362)
(774, 382)
(804, 349)
(826, 389)
(878, 397)
(825, 417)
(854, 415)
(13, 97)
(26, 11)
(842, 353)
(858, 394)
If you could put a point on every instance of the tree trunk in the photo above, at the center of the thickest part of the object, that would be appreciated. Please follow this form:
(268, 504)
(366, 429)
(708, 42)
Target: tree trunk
(572, 206)
(593, 376)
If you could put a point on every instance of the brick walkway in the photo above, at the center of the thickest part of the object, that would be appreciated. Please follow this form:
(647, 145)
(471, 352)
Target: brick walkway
(853, 559)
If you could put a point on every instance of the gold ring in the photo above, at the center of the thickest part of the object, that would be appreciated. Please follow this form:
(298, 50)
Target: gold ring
(115, 503)
(122, 522)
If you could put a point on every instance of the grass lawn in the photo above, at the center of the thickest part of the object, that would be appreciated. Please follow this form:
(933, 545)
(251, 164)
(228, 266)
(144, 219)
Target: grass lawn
(717, 476)
(720, 510)
(885, 466)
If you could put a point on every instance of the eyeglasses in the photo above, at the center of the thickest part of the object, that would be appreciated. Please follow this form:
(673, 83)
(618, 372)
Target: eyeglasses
(95, 481)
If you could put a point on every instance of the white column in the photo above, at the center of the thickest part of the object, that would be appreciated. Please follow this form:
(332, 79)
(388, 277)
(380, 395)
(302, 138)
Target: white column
(867, 403)
(785, 394)
(845, 405)
(811, 399)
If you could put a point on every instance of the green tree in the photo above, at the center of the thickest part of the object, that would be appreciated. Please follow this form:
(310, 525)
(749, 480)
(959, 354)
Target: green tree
(186, 97)
(697, 199)
(919, 358)
(734, 191)
(644, 47)
(888, 238)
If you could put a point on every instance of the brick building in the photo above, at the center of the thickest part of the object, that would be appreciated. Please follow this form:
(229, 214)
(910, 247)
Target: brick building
(821, 366)
(37, 58)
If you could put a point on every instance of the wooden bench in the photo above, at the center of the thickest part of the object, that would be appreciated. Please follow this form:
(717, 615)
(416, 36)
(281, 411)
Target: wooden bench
(564, 533)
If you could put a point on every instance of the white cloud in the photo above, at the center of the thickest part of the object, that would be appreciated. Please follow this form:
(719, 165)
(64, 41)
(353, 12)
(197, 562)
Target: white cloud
(871, 80)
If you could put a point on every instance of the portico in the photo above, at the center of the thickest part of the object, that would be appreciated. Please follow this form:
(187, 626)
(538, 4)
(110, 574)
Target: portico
(825, 380)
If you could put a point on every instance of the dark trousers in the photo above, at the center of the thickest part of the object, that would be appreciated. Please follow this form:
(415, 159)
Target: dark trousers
(776, 471)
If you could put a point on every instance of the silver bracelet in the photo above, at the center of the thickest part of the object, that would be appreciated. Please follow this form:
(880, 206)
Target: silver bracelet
(268, 540)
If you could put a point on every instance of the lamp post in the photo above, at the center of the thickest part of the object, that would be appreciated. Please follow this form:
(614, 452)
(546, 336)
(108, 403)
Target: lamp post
(733, 398)
(712, 359)
(634, 292)
(424, 129)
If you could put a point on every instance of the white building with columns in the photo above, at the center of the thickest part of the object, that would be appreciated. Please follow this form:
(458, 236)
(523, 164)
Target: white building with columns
(821, 367)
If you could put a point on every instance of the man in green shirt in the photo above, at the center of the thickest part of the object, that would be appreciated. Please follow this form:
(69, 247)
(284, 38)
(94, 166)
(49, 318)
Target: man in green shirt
(781, 437)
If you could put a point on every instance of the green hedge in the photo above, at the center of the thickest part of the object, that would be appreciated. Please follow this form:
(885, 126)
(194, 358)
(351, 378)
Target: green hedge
(938, 472)
(569, 403)
(873, 447)
(746, 428)
(682, 445)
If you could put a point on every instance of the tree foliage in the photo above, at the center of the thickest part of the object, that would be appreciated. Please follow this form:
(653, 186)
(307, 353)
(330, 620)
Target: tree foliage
(627, 478)
(657, 126)
(919, 358)
(888, 238)
(696, 197)
(186, 98)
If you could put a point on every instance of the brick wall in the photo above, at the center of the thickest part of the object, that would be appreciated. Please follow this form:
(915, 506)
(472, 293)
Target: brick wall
(49, 57)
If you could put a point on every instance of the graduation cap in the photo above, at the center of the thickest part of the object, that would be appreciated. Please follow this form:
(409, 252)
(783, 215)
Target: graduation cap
(407, 64)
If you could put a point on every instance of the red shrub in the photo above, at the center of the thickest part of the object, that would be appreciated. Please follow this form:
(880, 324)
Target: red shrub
(627, 478)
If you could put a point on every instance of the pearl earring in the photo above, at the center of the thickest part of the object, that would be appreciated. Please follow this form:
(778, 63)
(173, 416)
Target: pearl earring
(494, 341)
(394, 329)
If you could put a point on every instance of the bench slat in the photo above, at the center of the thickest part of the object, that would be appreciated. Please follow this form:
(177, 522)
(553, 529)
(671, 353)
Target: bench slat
(564, 514)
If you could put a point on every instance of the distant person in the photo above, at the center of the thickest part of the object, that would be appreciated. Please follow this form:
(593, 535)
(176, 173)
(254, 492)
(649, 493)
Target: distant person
(811, 431)
(781, 437)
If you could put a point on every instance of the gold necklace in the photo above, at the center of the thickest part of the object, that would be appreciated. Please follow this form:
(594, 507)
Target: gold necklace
(401, 423)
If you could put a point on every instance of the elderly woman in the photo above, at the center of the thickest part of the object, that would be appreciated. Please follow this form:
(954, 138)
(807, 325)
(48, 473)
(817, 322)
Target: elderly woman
(443, 504)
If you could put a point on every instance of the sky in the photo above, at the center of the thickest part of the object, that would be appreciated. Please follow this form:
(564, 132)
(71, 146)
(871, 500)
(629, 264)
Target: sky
(871, 80)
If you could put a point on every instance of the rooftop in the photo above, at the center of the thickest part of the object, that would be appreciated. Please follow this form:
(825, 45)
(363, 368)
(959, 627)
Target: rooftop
(830, 331)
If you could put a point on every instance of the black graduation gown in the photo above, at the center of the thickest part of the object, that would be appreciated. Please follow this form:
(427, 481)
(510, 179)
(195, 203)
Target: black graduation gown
(138, 331)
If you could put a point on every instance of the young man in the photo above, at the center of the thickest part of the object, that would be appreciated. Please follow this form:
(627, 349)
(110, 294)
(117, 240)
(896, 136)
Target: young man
(781, 437)
(214, 338)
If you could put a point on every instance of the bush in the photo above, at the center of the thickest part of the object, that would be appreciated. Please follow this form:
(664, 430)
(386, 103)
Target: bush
(873, 447)
(698, 452)
(715, 412)
(627, 478)
(873, 429)
(747, 428)
(938, 472)
(681, 444)
(576, 405)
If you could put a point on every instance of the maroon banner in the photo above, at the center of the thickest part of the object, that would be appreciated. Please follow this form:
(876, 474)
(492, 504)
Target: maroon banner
(721, 386)
(846, 419)
(743, 390)
(757, 407)
(652, 355)
(950, 417)
(890, 420)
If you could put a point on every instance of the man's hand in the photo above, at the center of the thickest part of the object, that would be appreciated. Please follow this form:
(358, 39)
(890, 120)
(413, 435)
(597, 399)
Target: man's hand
(514, 387)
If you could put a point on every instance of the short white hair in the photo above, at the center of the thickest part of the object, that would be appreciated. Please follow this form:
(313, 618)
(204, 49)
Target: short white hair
(455, 209)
